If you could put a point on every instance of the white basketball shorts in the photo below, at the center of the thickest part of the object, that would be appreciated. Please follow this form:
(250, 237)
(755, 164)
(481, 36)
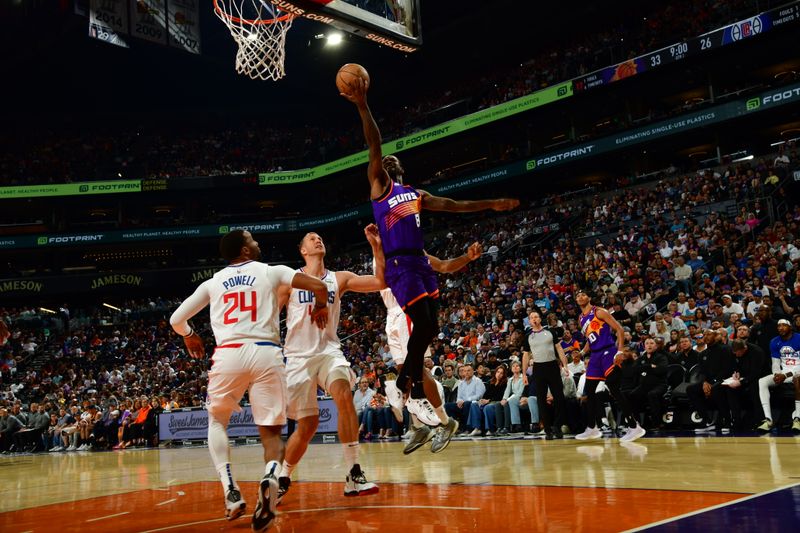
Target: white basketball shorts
(258, 367)
(305, 374)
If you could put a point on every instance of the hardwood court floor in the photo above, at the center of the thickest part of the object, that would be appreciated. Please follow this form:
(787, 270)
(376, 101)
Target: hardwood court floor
(481, 485)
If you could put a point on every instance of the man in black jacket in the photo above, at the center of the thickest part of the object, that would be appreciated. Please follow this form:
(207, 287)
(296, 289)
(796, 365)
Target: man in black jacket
(652, 370)
(749, 361)
(762, 333)
(29, 438)
(685, 355)
(717, 364)
(9, 426)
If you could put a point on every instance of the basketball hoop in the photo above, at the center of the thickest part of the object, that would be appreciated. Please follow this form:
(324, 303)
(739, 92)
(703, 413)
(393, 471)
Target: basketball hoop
(259, 29)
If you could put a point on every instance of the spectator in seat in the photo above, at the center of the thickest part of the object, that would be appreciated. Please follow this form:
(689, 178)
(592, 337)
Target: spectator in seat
(150, 427)
(513, 395)
(576, 366)
(449, 382)
(729, 306)
(10, 425)
(717, 363)
(470, 390)
(652, 370)
(487, 407)
(683, 274)
(762, 333)
(361, 399)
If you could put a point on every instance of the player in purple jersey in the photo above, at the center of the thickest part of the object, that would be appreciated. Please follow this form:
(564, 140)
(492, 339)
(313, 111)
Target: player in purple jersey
(600, 328)
(408, 273)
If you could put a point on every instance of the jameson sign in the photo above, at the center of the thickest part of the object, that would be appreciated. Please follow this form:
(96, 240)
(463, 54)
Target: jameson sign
(474, 120)
(71, 189)
(193, 425)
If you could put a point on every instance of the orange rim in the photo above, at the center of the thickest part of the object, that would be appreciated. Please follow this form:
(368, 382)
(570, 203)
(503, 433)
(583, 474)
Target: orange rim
(259, 22)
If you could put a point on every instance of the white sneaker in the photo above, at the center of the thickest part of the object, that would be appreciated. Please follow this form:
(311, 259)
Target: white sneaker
(589, 434)
(633, 434)
(56, 448)
(71, 448)
(475, 433)
(234, 503)
(356, 483)
(490, 433)
(81, 448)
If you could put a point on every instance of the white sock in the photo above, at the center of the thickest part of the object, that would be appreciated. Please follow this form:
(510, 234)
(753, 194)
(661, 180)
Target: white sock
(220, 452)
(440, 412)
(226, 476)
(273, 468)
(287, 469)
(767, 410)
(351, 450)
(796, 413)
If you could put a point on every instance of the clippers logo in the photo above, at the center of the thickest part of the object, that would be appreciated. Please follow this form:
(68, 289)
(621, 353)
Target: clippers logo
(746, 28)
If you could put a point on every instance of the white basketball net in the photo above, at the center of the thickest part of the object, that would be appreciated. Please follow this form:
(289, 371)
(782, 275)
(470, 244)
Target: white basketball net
(259, 29)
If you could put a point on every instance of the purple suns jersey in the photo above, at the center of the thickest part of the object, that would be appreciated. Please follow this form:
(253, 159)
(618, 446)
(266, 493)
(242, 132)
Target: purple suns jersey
(397, 216)
(596, 331)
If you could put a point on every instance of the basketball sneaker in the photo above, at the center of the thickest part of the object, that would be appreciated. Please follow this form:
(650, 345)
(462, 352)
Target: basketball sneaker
(590, 434)
(264, 514)
(796, 425)
(234, 504)
(766, 426)
(419, 436)
(444, 434)
(356, 483)
(633, 434)
(283, 487)
(395, 399)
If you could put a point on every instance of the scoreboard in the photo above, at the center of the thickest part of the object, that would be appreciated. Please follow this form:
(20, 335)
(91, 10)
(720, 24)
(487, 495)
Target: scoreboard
(732, 33)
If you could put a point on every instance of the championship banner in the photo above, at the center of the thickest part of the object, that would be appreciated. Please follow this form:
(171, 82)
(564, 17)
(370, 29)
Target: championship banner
(184, 24)
(193, 424)
(446, 129)
(108, 21)
(149, 20)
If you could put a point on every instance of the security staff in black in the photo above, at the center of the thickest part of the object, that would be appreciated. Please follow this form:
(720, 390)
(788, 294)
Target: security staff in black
(549, 362)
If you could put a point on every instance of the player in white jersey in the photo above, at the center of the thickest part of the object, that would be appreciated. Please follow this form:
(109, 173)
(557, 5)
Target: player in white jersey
(315, 358)
(244, 318)
(398, 330)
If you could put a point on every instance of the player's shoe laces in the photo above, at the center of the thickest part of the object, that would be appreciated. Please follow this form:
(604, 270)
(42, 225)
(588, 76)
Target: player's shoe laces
(419, 436)
(590, 434)
(234, 504)
(356, 483)
(766, 425)
(444, 434)
(283, 487)
(633, 434)
(264, 515)
(796, 425)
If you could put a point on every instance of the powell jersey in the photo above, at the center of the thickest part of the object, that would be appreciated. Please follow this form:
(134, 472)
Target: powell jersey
(303, 337)
(397, 217)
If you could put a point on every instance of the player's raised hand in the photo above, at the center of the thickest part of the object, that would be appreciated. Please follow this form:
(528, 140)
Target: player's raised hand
(505, 204)
(372, 234)
(319, 316)
(358, 91)
(474, 251)
(195, 346)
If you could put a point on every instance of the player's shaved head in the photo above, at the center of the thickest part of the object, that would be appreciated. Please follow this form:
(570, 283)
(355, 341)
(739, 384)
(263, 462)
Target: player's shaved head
(231, 244)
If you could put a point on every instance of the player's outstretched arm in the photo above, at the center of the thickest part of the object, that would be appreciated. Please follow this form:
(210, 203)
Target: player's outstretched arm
(439, 203)
(446, 266)
(378, 178)
(374, 239)
(180, 320)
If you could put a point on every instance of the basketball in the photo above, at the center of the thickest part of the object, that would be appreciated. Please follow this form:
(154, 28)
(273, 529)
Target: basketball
(347, 74)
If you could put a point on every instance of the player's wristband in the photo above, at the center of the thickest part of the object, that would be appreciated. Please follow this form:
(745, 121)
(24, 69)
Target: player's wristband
(317, 306)
(191, 332)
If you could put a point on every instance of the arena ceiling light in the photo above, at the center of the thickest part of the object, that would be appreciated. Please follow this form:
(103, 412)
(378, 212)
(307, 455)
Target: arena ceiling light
(111, 307)
(334, 39)
(46, 310)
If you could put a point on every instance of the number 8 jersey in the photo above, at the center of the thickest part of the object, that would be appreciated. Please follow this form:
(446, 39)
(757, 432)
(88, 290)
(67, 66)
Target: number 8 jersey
(303, 337)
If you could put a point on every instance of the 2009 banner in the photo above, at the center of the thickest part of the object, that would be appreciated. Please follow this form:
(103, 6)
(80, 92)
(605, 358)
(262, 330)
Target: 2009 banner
(193, 424)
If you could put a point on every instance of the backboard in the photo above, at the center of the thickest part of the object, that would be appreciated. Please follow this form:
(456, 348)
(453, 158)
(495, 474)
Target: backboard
(392, 23)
